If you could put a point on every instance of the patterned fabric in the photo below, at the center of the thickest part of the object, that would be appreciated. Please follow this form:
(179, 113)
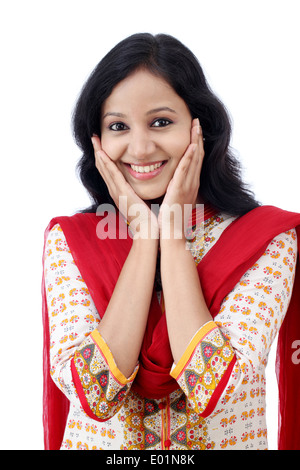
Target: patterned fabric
(204, 365)
(221, 400)
(98, 380)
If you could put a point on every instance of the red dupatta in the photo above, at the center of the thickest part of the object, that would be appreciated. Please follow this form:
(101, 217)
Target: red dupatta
(240, 245)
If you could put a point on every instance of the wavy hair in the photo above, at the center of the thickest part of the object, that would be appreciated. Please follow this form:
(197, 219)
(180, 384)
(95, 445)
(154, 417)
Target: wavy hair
(221, 183)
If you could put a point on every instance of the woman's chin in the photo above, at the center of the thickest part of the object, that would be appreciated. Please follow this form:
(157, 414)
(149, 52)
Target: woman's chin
(149, 195)
(153, 199)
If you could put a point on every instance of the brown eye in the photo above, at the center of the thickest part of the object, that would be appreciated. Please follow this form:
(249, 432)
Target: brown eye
(161, 122)
(118, 126)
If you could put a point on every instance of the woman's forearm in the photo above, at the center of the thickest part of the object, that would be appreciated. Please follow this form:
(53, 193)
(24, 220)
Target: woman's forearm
(186, 309)
(125, 319)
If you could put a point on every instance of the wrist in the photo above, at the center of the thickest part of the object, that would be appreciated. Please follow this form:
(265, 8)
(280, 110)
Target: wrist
(173, 243)
(144, 228)
(142, 245)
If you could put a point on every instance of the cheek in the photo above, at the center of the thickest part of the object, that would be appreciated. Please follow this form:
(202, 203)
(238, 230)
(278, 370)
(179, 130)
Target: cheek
(179, 144)
(111, 147)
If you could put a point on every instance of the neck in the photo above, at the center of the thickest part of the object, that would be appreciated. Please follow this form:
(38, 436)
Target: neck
(158, 201)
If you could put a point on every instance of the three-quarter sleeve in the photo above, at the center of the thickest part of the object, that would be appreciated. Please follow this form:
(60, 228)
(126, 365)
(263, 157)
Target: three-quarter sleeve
(205, 367)
(100, 384)
(232, 350)
(82, 365)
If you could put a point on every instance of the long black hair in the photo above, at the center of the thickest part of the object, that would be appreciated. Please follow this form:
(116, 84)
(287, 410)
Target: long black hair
(221, 182)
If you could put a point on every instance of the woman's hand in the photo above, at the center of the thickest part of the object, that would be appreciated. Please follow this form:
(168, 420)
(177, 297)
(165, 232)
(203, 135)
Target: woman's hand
(183, 188)
(141, 220)
(128, 313)
(185, 306)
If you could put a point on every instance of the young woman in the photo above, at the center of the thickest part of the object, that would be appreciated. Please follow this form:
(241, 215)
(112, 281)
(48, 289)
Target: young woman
(155, 339)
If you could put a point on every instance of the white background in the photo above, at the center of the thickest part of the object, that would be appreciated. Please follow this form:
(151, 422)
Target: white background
(250, 53)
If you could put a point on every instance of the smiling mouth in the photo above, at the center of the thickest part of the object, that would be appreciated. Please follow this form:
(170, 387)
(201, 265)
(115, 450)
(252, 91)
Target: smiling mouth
(146, 171)
(146, 168)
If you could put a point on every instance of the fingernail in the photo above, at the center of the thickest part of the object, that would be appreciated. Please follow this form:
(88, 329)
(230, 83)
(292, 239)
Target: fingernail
(198, 126)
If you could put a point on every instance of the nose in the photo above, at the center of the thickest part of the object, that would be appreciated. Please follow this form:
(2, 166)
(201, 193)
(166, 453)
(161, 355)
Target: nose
(140, 145)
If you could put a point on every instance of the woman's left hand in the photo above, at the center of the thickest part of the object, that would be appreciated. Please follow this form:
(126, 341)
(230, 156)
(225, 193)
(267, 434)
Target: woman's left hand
(183, 188)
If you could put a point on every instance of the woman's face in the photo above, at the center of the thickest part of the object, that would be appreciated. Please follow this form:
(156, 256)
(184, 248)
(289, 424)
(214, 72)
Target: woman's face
(145, 130)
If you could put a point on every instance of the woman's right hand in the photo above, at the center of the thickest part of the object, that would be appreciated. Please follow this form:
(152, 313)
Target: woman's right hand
(141, 220)
(128, 313)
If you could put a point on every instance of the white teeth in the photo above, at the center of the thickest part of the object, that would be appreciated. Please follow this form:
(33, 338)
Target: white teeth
(146, 169)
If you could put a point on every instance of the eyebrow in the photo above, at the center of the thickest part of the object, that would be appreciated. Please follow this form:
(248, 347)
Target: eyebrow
(152, 111)
(114, 114)
(163, 108)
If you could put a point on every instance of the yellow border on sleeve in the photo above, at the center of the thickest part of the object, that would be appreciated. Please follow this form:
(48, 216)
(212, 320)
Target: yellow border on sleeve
(100, 342)
(199, 335)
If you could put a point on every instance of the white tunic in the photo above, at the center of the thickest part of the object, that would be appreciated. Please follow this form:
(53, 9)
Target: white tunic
(220, 402)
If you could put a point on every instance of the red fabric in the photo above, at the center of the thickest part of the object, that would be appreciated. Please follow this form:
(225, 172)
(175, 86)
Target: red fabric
(55, 404)
(240, 245)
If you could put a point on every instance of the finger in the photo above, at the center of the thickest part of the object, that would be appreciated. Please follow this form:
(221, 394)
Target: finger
(195, 131)
(101, 160)
(184, 165)
(101, 165)
(112, 176)
(96, 143)
(97, 152)
(193, 171)
(196, 165)
(112, 170)
(194, 155)
(100, 156)
(116, 182)
(104, 164)
(188, 155)
(197, 134)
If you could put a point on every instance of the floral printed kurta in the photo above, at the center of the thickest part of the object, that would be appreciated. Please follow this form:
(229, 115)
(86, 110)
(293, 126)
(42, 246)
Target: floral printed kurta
(220, 400)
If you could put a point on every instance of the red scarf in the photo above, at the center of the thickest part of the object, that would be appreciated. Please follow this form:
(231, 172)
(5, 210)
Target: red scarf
(239, 247)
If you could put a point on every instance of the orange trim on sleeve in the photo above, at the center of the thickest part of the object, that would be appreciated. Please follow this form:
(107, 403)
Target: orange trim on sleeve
(103, 347)
(199, 336)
